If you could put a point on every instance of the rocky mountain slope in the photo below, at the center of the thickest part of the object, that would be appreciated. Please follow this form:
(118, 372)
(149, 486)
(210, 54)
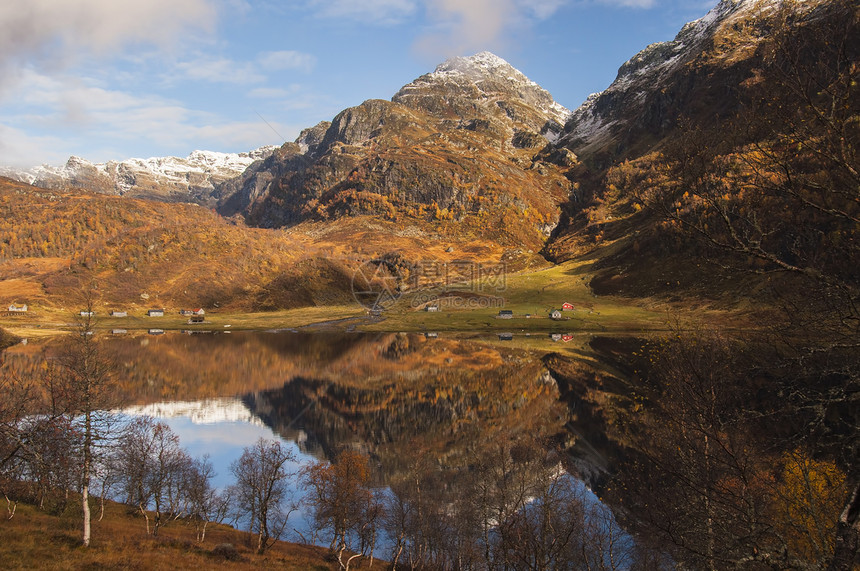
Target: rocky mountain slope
(476, 152)
(742, 132)
(697, 75)
(173, 179)
(465, 144)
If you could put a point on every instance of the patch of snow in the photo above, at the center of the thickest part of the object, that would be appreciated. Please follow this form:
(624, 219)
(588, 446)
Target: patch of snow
(646, 69)
(209, 411)
(483, 70)
(163, 169)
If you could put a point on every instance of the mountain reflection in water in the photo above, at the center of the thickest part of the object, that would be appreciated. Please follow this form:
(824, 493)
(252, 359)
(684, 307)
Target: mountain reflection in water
(388, 395)
(438, 410)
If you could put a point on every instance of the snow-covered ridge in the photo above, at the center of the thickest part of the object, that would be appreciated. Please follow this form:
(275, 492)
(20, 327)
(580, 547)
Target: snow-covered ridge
(480, 66)
(486, 67)
(202, 161)
(209, 411)
(589, 123)
(659, 57)
(200, 170)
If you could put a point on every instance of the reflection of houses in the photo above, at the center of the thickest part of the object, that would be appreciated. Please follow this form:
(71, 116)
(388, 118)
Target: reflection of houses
(555, 314)
(17, 308)
(506, 314)
(119, 314)
(155, 313)
(156, 331)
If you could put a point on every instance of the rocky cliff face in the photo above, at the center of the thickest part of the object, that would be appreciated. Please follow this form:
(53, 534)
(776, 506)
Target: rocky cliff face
(694, 76)
(462, 144)
(174, 179)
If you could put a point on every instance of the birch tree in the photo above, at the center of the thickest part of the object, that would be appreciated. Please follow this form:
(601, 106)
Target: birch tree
(261, 492)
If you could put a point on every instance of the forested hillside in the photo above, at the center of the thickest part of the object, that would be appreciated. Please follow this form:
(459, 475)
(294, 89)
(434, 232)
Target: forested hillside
(53, 244)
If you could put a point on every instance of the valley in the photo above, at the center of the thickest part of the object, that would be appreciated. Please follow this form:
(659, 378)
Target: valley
(660, 286)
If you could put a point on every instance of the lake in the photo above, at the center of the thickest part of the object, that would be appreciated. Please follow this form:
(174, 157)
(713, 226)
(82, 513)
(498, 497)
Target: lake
(411, 403)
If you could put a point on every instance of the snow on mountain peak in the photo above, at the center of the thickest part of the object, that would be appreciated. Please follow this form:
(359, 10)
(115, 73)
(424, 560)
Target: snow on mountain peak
(491, 76)
(481, 65)
(196, 173)
(208, 411)
(590, 124)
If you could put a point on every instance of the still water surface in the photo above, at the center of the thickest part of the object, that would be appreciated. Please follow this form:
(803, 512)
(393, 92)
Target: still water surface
(402, 399)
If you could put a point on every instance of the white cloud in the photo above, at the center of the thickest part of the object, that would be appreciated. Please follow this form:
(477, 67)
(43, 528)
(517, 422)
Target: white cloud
(22, 150)
(464, 26)
(630, 3)
(382, 12)
(220, 70)
(287, 59)
(540, 9)
(89, 120)
(225, 70)
(52, 31)
(455, 26)
(243, 135)
(268, 93)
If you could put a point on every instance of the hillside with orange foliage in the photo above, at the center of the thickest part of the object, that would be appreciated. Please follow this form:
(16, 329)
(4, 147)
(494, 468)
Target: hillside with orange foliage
(139, 254)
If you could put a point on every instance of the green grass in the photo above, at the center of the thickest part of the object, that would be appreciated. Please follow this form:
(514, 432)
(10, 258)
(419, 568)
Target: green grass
(535, 293)
(59, 322)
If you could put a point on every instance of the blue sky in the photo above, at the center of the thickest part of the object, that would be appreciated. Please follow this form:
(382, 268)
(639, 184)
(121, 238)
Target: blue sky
(113, 79)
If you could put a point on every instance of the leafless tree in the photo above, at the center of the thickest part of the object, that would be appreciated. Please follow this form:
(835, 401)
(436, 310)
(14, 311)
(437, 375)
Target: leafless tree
(547, 531)
(343, 505)
(88, 390)
(168, 463)
(20, 398)
(708, 482)
(152, 468)
(261, 491)
(204, 503)
(777, 192)
(52, 458)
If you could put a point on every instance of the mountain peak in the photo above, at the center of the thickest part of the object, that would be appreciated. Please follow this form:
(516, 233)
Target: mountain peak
(480, 64)
(481, 77)
(171, 178)
(729, 33)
